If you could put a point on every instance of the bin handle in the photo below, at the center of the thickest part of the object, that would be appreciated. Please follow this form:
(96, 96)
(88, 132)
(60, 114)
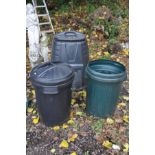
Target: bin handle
(40, 65)
(50, 90)
(70, 34)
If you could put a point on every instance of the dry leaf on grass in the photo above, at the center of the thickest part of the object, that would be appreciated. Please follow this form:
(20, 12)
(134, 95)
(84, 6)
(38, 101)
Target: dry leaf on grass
(64, 144)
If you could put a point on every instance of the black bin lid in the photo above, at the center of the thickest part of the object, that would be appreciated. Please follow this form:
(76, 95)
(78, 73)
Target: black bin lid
(69, 36)
(51, 74)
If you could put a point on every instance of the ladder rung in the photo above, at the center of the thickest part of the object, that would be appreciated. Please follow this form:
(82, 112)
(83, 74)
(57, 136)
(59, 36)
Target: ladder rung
(40, 6)
(46, 23)
(41, 15)
(47, 31)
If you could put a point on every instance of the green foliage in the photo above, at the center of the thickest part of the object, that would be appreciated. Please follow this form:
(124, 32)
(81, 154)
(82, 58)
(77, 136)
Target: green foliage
(97, 126)
(114, 5)
(64, 8)
(106, 57)
(110, 28)
(90, 8)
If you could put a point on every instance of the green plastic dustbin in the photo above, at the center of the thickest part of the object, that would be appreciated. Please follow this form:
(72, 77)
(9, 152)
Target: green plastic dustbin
(104, 80)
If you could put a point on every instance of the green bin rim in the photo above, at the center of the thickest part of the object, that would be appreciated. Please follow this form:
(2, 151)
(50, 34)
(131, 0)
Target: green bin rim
(106, 71)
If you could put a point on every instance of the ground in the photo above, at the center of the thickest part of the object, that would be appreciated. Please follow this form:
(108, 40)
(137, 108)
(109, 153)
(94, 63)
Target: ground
(83, 134)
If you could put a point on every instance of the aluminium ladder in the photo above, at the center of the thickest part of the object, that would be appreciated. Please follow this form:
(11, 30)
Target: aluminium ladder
(49, 22)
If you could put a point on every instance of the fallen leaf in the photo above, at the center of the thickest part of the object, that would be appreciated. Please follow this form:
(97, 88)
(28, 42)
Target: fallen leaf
(56, 128)
(116, 147)
(52, 150)
(118, 120)
(122, 129)
(34, 117)
(107, 144)
(126, 51)
(110, 121)
(33, 93)
(120, 105)
(84, 134)
(73, 153)
(29, 110)
(126, 118)
(84, 93)
(99, 53)
(71, 114)
(79, 113)
(55, 138)
(64, 144)
(126, 147)
(36, 120)
(72, 139)
(34, 111)
(73, 101)
(65, 126)
(126, 98)
(70, 122)
(106, 53)
(99, 138)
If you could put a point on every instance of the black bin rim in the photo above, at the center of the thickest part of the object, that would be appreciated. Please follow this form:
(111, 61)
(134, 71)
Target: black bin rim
(61, 81)
(106, 71)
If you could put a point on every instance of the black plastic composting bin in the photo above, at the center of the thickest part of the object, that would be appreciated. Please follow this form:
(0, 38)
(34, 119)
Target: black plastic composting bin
(52, 83)
(104, 78)
(71, 47)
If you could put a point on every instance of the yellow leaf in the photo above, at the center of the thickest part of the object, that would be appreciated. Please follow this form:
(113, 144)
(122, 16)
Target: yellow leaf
(121, 105)
(101, 17)
(99, 53)
(94, 32)
(106, 53)
(71, 114)
(72, 139)
(52, 150)
(110, 121)
(80, 30)
(126, 118)
(36, 120)
(29, 110)
(70, 122)
(34, 112)
(33, 92)
(73, 153)
(126, 51)
(64, 144)
(56, 128)
(104, 45)
(126, 147)
(73, 101)
(107, 144)
(79, 113)
(75, 135)
(126, 98)
(65, 126)
(84, 93)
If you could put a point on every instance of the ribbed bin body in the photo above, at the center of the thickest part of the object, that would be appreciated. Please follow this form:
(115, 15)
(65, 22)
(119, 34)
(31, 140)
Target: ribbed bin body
(54, 109)
(52, 84)
(104, 79)
(71, 47)
(102, 98)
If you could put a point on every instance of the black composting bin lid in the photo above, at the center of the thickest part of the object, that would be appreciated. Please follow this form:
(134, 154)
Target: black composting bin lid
(51, 74)
(69, 36)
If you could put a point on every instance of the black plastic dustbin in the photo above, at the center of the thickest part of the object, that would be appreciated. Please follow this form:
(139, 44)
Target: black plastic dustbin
(71, 47)
(52, 83)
